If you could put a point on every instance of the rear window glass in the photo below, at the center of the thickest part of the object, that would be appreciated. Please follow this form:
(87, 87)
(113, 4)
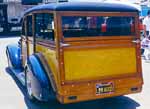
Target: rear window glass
(86, 26)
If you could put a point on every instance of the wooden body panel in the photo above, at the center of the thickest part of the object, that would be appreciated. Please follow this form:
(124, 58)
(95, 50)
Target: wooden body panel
(87, 90)
(24, 48)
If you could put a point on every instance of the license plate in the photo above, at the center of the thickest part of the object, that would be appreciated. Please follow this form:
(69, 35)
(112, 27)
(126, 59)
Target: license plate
(103, 88)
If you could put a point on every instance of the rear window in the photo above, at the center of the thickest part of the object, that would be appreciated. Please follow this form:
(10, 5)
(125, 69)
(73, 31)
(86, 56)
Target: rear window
(86, 26)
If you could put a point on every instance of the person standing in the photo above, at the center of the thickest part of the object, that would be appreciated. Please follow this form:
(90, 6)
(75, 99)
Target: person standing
(146, 40)
(146, 24)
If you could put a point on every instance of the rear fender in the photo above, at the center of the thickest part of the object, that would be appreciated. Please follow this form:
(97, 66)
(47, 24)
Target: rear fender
(14, 52)
(37, 70)
(39, 81)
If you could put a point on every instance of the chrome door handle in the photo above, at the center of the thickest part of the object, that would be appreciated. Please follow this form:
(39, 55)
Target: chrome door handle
(64, 45)
(136, 41)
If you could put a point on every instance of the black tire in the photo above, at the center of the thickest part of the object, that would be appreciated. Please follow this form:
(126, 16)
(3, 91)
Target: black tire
(28, 85)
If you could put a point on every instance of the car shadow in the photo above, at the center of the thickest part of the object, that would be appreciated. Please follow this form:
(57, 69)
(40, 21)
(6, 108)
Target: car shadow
(121, 102)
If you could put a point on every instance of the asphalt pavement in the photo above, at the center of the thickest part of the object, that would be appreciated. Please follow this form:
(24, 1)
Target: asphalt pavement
(13, 94)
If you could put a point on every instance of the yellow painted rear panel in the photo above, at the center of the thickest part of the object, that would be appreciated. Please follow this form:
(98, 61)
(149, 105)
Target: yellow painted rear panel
(93, 63)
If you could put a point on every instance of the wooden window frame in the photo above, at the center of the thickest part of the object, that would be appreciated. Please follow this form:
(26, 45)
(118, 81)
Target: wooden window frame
(46, 43)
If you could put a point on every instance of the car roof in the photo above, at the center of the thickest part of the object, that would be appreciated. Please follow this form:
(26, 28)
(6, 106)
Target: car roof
(84, 6)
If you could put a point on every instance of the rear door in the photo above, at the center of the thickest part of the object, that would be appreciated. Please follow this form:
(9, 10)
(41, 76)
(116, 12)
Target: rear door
(100, 46)
(45, 41)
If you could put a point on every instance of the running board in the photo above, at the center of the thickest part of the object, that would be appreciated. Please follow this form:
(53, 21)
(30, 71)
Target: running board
(19, 73)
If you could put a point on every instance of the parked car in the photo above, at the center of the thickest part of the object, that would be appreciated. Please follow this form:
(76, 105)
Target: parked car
(3, 17)
(78, 51)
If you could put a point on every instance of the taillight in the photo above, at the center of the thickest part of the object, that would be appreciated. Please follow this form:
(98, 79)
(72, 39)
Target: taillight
(104, 29)
(141, 26)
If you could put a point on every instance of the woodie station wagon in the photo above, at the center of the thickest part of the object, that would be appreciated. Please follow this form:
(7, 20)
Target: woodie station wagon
(79, 51)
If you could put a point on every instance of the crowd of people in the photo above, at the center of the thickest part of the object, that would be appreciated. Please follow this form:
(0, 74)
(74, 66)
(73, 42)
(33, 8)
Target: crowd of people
(145, 43)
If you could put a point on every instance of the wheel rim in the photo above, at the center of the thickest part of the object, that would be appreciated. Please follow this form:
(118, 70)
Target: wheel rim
(29, 90)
